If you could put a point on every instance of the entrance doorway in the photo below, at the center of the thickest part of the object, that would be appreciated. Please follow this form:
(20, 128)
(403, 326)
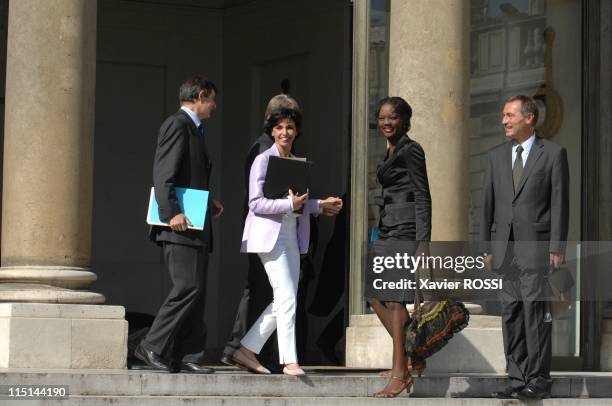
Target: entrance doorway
(252, 51)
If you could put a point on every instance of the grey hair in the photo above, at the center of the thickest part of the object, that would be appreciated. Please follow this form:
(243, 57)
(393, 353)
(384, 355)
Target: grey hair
(280, 101)
(528, 105)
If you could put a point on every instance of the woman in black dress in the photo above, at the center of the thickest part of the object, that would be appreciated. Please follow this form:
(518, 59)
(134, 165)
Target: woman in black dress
(405, 220)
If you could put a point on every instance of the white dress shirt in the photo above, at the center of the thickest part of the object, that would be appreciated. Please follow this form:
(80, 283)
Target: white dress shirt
(194, 117)
(526, 148)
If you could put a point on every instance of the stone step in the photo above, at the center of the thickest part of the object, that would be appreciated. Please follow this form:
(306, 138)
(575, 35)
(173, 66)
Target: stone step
(228, 383)
(291, 401)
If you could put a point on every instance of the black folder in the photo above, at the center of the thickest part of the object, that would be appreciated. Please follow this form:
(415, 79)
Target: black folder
(284, 174)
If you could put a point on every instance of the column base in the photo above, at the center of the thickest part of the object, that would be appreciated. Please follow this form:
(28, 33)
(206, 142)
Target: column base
(36, 293)
(61, 276)
(62, 336)
(476, 349)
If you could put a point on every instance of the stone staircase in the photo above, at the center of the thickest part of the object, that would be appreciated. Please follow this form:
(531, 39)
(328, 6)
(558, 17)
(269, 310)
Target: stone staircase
(229, 387)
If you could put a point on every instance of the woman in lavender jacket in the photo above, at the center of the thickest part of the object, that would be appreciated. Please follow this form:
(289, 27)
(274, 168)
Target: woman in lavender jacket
(278, 234)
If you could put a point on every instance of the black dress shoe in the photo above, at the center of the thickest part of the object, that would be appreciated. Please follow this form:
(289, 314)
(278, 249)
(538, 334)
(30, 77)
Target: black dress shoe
(508, 393)
(228, 360)
(151, 360)
(532, 392)
(193, 368)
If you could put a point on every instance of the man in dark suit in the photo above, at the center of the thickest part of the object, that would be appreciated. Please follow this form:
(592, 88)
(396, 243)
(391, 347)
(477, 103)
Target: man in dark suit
(257, 293)
(176, 339)
(524, 229)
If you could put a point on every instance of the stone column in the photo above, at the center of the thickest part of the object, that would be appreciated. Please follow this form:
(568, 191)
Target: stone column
(47, 196)
(429, 67)
(48, 152)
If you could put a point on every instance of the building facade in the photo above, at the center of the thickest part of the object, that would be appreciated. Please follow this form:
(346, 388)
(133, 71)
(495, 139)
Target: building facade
(88, 83)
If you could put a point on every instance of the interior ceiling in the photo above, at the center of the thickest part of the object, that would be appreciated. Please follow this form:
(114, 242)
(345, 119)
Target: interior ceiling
(208, 4)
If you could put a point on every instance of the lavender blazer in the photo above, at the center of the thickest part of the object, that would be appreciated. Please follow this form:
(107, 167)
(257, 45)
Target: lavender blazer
(263, 222)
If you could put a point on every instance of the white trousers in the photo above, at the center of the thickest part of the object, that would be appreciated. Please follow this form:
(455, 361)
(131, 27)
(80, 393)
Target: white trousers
(282, 265)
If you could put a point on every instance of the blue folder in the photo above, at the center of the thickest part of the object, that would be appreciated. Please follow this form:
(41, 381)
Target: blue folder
(193, 203)
(374, 234)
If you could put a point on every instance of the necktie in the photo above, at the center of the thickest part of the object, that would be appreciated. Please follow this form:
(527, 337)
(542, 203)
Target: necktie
(518, 167)
(201, 130)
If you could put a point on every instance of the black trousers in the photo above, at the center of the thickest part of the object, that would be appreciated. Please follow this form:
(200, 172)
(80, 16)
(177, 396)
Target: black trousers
(178, 332)
(526, 329)
(256, 296)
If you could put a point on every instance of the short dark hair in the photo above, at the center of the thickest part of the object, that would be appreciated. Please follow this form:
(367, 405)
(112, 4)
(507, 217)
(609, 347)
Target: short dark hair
(280, 114)
(401, 107)
(528, 105)
(191, 88)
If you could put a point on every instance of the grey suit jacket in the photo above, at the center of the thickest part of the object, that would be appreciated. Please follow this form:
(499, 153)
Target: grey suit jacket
(537, 214)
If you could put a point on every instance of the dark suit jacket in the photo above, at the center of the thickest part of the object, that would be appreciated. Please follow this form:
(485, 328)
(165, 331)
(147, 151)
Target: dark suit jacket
(181, 160)
(405, 189)
(537, 214)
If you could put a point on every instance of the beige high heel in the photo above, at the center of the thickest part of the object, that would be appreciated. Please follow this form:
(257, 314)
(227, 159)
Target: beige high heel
(244, 362)
(294, 371)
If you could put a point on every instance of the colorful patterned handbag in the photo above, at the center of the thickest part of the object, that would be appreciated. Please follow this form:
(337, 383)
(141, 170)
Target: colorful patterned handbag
(433, 325)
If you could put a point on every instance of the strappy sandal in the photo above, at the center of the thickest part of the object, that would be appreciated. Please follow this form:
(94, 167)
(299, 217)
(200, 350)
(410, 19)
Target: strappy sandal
(418, 366)
(406, 384)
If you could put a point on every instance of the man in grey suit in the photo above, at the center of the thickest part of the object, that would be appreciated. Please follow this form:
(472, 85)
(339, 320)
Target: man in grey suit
(524, 226)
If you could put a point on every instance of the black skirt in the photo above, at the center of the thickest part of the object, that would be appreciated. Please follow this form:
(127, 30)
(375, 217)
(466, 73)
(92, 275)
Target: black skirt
(386, 279)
